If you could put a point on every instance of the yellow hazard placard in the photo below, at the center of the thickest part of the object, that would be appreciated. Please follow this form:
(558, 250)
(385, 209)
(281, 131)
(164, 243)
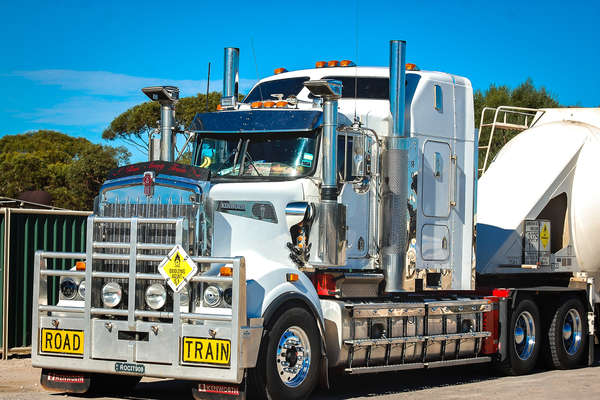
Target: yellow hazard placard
(544, 235)
(177, 268)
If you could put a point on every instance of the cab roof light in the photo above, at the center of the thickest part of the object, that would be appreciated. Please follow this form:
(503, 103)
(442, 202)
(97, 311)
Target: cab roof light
(333, 63)
(320, 64)
(226, 271)
(219, 107)
(412, 67)
(256, 104)
(280, 71)
(80, 266)
(269, 104)
(347, 63)
(281, 104)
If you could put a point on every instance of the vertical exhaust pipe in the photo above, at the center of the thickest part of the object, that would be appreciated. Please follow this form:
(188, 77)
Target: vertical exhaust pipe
(331, 216)
(231, 77)
(167, 96)
(395, 178)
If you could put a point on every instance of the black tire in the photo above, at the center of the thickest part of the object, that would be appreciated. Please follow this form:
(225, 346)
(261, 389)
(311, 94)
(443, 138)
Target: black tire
(265, 378)
(524, 334)
(568, 319)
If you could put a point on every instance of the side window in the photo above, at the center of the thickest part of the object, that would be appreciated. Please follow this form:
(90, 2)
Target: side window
(344, 157)
(438, 99)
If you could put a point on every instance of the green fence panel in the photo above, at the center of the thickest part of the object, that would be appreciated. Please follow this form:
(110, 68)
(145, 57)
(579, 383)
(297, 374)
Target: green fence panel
(29, 233)
(1, 280)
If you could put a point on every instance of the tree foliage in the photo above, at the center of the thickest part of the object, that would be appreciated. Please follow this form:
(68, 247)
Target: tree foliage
(525, 95)
(135, 124)
(70, 169)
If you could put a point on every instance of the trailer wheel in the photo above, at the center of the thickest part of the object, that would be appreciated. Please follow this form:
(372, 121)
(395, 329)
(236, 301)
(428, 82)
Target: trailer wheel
(567, 335)
(289, 360)
(524, 334)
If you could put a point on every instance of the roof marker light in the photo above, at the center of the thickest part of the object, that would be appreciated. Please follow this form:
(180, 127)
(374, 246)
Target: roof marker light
(333, 63)
(347, 63)
(280, 71)
(219, 107)
(269, 104)
(256, 104)
(281, 104)
(412, 67)
(320, 64)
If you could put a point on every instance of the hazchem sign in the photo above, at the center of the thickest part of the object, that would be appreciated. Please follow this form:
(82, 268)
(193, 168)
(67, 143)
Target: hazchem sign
(177, 268)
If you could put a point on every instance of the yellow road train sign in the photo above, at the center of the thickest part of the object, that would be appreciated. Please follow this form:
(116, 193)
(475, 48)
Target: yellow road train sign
(61, 341)
(206, 351)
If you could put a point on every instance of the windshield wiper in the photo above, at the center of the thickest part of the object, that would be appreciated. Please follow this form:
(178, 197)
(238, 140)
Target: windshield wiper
(251, 161)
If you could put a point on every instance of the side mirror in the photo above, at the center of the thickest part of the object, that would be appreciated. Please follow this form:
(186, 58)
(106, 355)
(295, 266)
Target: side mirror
(361, 156)
(297, 212)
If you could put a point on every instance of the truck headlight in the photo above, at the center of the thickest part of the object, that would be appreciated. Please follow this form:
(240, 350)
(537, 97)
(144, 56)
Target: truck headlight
(68, 288)
(111, 294)
(213, 296)
(81, 289)
(156, 296)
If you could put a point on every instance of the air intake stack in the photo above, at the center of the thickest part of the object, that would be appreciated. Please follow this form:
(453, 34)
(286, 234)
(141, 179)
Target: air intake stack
(230, 77)
(167, 96)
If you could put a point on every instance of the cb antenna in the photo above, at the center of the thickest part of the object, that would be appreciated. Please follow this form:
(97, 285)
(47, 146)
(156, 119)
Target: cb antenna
(356, 62)
(256, 68)
(207, 86)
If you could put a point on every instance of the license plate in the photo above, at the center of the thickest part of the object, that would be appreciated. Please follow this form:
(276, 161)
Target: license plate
(62, 341)
(206, 351)
(130, 368)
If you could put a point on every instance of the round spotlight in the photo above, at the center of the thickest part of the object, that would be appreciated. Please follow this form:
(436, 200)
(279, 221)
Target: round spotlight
(81, 289)
(68, 288)
(156, 296)
(212, 296)
(111, 294)
(227, 294)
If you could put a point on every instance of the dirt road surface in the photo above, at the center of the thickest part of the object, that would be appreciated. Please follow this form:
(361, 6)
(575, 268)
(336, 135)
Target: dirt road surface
(19, 381)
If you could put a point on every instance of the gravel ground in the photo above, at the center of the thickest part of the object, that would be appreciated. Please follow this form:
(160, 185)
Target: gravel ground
(19, 381)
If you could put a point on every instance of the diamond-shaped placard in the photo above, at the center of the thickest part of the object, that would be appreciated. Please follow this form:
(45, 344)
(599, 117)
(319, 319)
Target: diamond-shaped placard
(177, 268)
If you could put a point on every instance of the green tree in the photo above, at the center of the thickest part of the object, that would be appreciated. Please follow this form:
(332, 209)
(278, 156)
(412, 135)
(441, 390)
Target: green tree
(135, 124)
(525, 95)
(70, 169)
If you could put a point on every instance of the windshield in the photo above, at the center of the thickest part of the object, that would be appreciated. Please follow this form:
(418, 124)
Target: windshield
(284, 87)
(257, 155)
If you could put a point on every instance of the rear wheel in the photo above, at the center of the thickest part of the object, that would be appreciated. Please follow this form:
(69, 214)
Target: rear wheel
(567, 335)
(523, 342)
(289, 359)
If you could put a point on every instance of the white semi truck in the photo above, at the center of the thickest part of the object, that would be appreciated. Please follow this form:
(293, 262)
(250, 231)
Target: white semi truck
(326, 226)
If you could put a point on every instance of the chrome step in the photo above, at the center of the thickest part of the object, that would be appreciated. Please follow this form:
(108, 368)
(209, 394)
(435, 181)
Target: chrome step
(416, 339)
(401, 367)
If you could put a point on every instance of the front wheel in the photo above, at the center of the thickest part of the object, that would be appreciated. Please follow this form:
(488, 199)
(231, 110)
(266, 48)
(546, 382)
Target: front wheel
(289, 359)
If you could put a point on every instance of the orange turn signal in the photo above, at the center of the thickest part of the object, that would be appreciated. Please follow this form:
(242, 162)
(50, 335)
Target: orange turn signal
(333, 63)
(280, 71)
(268, 104)
(320, 64)
(281, 104)
(291, 277)
(226, 271)
(256, 104)
(80, 266)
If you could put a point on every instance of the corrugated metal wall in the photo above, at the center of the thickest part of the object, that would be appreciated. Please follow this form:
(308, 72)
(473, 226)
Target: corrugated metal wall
(28, 231)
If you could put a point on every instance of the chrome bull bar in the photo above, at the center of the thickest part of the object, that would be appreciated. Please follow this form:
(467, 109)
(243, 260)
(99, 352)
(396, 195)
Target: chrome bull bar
(230, 324)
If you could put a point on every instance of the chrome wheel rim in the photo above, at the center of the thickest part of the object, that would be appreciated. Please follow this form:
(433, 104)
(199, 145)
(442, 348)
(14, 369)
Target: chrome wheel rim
(572, 331)
(524, 335)
(293, 356)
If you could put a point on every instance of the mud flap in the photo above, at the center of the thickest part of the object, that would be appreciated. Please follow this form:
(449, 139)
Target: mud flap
(219, 391)
(65, 381)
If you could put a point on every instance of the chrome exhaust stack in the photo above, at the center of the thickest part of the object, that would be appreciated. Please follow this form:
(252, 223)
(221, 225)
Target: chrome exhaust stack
(331, 242)
(167, 96)
(394, 212)
(230, 77)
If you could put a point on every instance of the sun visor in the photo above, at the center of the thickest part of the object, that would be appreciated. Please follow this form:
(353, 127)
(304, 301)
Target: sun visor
(257, 121)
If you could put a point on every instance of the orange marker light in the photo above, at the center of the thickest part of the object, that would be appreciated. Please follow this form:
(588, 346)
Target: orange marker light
(219, 107)
(226, 271)
(256, 104)
(411, 67)
(268, 104)
(280, 71)
(281, 104)
(320, 64)
(80, 266)
(347, 63)
(291, 277)
(333, 63)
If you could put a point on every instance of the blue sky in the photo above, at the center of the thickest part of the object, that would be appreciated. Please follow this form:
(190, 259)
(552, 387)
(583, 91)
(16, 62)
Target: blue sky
(73, 66)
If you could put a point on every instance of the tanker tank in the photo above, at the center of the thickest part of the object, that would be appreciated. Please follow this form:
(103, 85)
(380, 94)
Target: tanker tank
(549, 174)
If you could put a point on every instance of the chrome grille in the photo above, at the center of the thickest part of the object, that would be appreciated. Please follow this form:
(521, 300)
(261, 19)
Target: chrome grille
(151, 233)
